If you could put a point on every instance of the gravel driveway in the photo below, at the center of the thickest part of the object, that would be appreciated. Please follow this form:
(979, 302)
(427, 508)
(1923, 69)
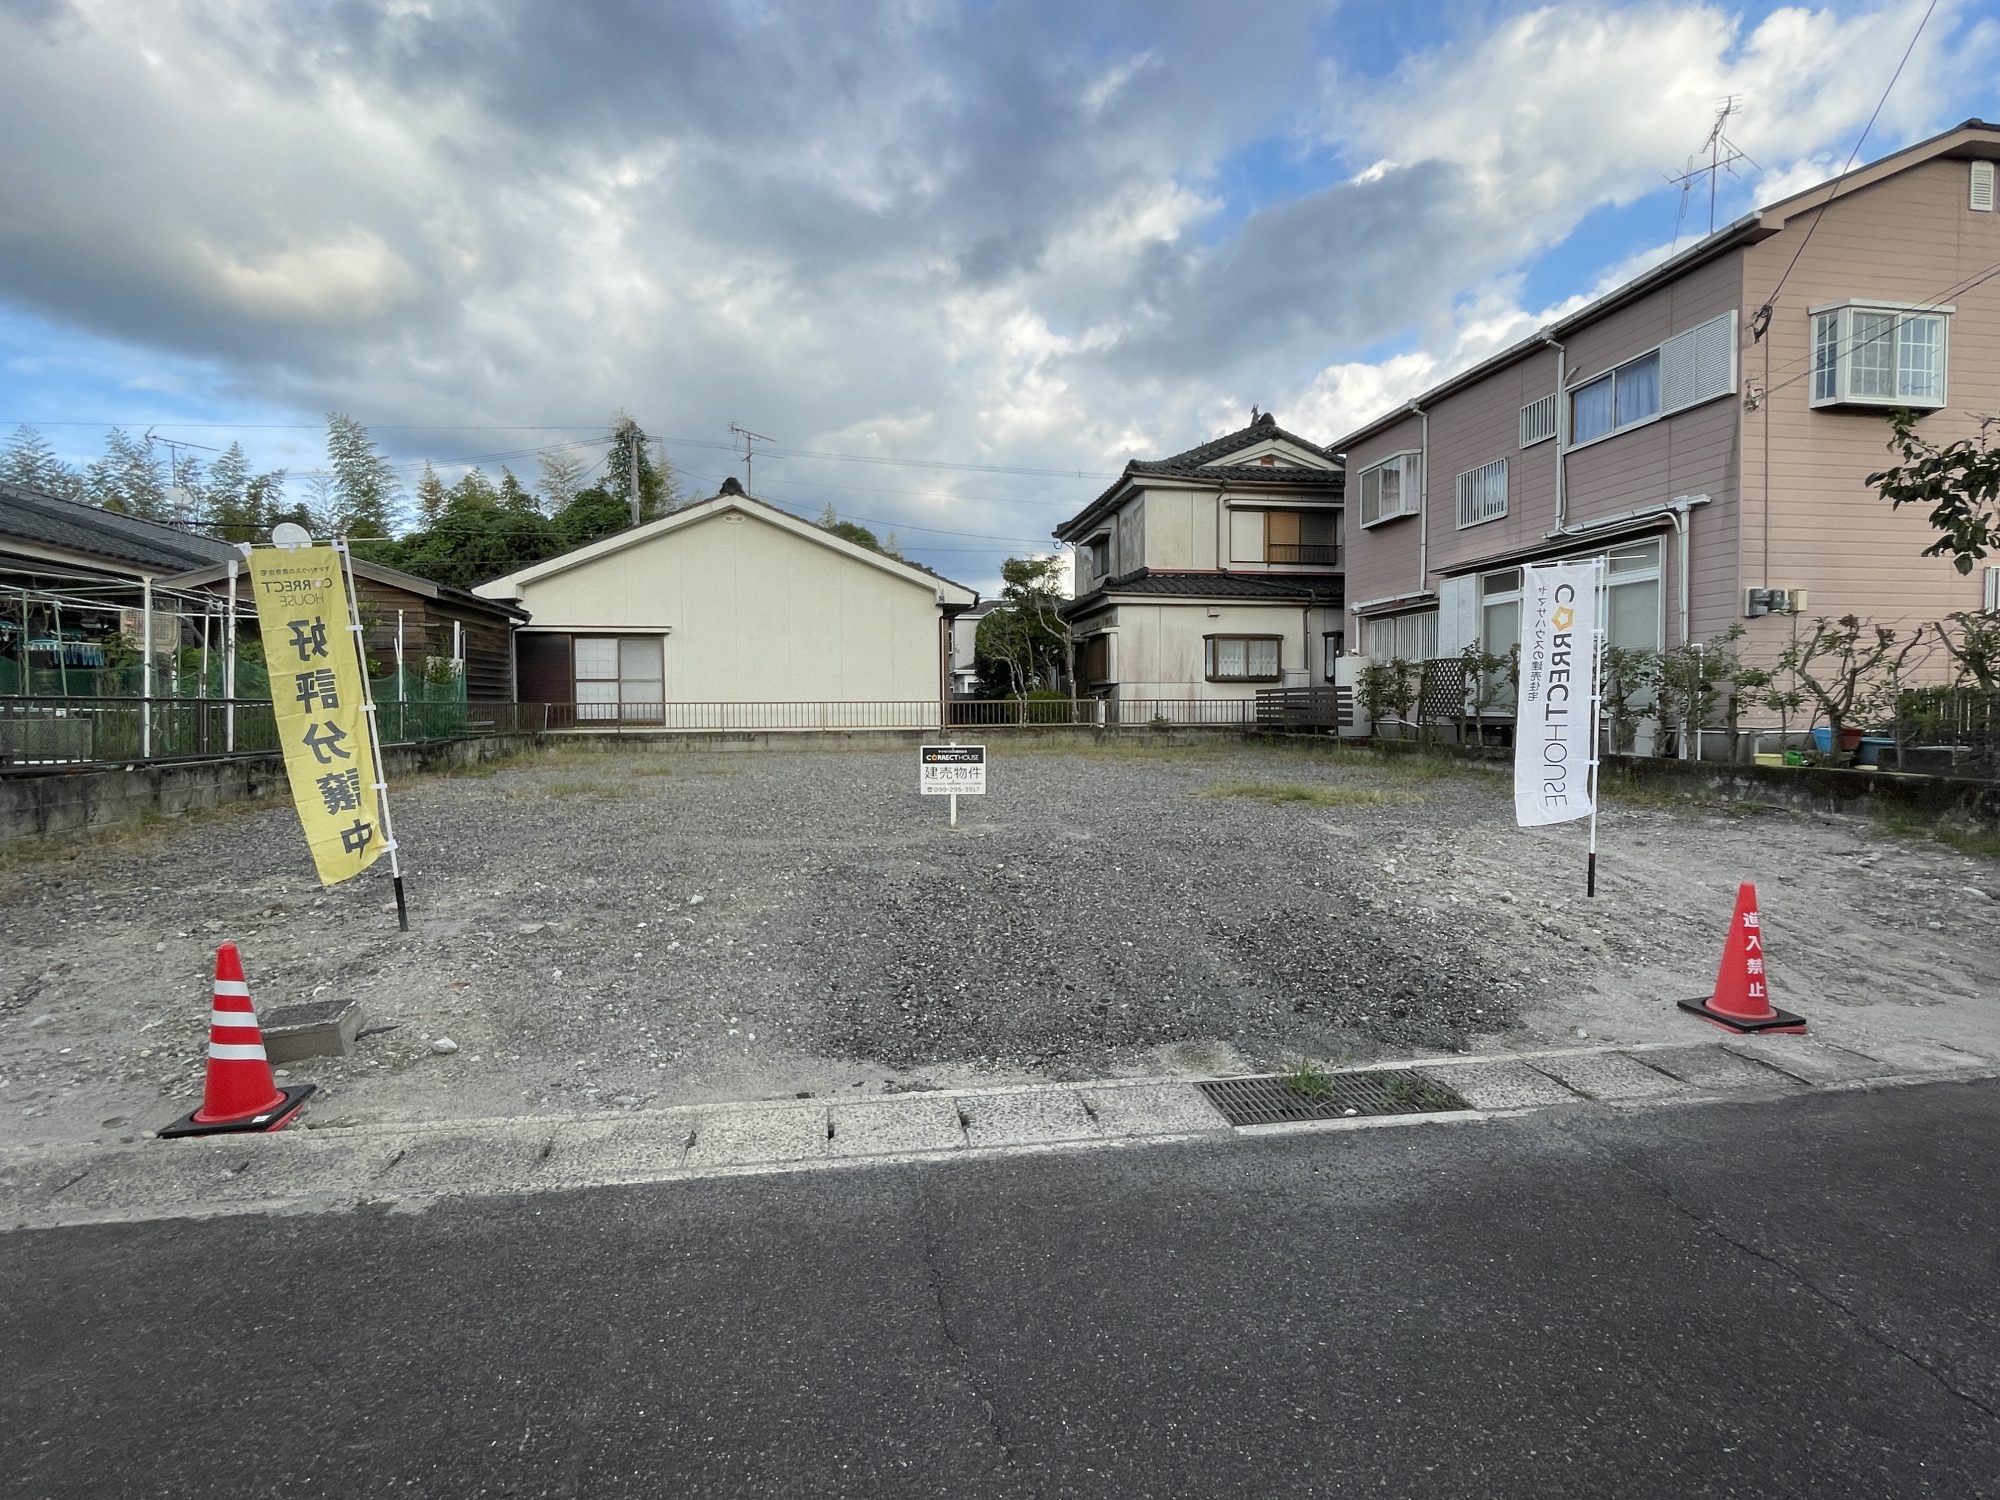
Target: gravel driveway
(600, 929)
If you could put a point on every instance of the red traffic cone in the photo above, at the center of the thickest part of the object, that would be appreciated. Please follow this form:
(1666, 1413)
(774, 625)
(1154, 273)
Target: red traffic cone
(240, 1094)
(1741, 1002)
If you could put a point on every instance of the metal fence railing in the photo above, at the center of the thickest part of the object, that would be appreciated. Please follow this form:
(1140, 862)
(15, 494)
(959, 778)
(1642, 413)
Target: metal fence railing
(920, 713)
(110, 731)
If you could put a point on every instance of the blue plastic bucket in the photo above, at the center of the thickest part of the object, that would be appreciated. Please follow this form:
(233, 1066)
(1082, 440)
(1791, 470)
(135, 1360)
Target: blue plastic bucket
(1823, 739)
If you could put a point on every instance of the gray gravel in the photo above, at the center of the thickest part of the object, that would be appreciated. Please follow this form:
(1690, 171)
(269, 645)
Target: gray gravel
(598, 930)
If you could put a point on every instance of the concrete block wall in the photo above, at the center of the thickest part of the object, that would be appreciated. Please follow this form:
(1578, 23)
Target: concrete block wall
(52, 802)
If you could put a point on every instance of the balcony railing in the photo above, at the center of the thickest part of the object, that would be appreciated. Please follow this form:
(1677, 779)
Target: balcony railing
(1310, 554)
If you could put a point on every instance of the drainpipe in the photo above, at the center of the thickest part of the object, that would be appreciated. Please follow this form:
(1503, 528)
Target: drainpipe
(1423, 499)
(1562, 427)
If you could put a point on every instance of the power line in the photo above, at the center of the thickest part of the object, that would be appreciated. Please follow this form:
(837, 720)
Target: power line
(1888, 331)
(1764, 312)
(816, 454)
(878, 521)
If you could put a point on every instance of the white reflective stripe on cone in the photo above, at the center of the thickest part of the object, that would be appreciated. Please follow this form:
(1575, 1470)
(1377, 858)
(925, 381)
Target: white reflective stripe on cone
(236, 1052)
(235, 1019)
(232, 987)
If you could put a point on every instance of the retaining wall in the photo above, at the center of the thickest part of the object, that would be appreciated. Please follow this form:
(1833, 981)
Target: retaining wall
(68, 802)
(1000, 737)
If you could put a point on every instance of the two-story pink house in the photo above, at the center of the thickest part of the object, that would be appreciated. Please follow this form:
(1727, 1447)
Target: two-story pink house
(1708, 426)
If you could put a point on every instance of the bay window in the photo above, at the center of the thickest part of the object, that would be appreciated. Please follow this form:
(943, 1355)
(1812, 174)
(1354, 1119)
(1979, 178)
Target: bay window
(1872, 355)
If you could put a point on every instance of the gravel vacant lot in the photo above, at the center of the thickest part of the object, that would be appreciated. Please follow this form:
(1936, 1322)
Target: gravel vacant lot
(626, 928)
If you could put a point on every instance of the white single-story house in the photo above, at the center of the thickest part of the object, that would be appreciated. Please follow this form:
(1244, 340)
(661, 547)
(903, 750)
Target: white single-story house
(733, 614)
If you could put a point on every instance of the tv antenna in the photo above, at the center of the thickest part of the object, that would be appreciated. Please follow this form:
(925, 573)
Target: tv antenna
(750, 439)
(1723, 154)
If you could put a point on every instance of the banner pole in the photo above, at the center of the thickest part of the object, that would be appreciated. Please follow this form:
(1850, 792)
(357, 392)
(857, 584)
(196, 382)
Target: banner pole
(1596, 711)
(374, 734)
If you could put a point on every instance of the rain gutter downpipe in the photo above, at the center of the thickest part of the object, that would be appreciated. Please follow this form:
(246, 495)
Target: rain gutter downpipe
(1562, 426)
(1675, 510)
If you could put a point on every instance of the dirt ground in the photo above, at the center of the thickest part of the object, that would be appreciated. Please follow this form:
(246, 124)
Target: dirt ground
(623, 929)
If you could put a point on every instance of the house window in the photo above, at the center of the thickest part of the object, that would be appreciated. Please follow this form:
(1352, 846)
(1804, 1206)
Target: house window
(1500, 611)
(1878, 356)
(1333, 646)
(1295, 537)
(1695, 365)
(1406, 637)
(1538, 421)
(1482, 493)
(1093, 659)
(1241, 658)
(620, 677)
(1391, 488)
(1097, 551)
(1632, 618)
(1629, 394)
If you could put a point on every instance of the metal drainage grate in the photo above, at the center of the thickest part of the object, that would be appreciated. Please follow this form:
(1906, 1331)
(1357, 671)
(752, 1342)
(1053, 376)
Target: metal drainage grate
(1274, 1100)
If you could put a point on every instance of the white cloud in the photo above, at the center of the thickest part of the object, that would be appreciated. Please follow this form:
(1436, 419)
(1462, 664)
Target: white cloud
(986, 234)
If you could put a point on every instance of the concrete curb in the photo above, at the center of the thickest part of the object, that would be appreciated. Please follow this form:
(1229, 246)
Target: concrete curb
(410, 1165)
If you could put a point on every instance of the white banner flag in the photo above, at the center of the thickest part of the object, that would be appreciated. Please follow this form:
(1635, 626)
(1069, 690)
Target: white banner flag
(1554, 722)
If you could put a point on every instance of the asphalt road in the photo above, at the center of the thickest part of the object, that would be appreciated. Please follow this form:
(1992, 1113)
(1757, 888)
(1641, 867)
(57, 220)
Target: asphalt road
(1791, 1298)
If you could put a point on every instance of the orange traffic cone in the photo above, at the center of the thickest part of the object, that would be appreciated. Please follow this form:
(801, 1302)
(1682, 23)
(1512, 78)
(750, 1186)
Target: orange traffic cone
(1741, 1002)
(240, 1094)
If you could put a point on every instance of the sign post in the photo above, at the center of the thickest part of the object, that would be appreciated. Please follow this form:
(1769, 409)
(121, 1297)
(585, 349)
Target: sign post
(1559, 699)
(952, 771)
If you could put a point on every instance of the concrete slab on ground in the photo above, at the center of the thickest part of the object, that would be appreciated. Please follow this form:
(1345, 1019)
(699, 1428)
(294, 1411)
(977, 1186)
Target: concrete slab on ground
(1713, 1068)
(1502, 1085)
(757, 1133)
(1609, 1076)
(640, 1146)
(1153, 1109)
(880, 1127)
(1026, 1118)
(1812, 1061)
(1915, 1055)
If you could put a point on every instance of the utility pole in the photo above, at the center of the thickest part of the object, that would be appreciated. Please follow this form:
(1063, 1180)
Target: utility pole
(632, 467)
(749, 439)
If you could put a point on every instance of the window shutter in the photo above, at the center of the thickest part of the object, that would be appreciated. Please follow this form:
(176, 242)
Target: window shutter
(1538, 420)
(1699, 364)
(1982, 187)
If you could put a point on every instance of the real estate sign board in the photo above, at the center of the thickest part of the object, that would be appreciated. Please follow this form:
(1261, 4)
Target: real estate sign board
(952, 771)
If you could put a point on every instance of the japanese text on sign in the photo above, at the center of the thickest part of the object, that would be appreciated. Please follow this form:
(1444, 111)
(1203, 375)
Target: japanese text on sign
(316, 698)
(952, 770)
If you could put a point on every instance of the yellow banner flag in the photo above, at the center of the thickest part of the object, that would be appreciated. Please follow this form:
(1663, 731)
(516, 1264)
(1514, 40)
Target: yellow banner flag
(316, 687)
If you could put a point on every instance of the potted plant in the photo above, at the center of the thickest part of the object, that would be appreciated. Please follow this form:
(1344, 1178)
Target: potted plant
(1840, 663)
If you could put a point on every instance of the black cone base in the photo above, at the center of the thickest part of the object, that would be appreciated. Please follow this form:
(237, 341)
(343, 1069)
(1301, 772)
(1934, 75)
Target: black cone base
(277, 1117)
(1781, 1021)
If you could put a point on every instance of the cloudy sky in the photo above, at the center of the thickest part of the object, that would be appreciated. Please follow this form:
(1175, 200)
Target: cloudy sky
(996, 247)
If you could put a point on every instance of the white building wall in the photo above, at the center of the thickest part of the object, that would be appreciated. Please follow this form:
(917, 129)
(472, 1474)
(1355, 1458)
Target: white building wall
(755, 613)
(1160, 654)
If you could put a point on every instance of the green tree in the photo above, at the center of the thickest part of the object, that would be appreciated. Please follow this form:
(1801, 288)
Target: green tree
(592, 514)
(850, 531)
(513, 494)
(475, 543)
(1960, 482)
(366, 491)
(29, 460)
(1023, 644)
(659, 492)
(562, 478)
(129, 477)
(474, 491)
(432, 497)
